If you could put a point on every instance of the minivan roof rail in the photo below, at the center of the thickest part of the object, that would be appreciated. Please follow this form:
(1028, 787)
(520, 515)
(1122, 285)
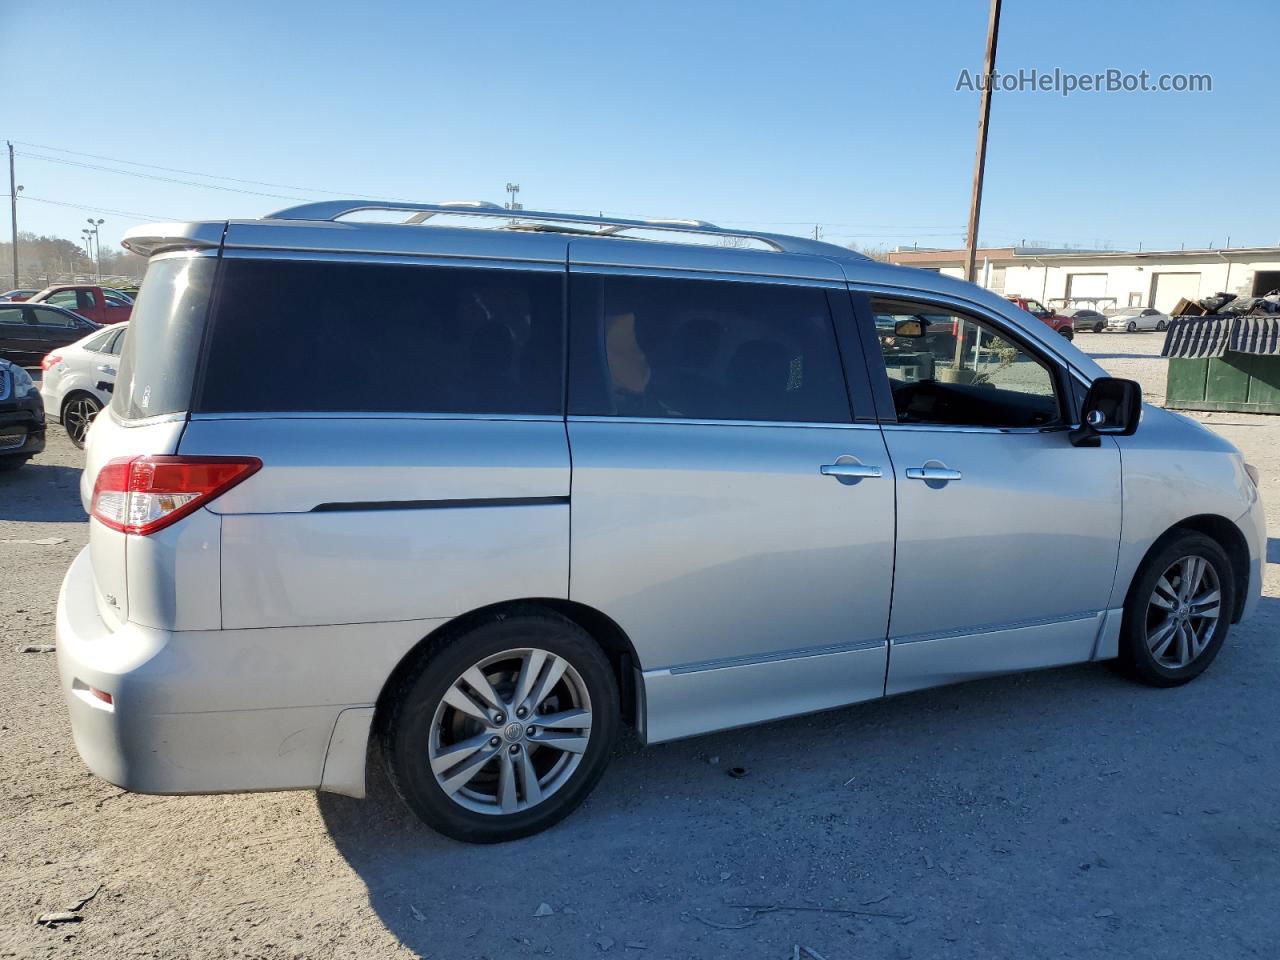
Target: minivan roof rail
(526, 219)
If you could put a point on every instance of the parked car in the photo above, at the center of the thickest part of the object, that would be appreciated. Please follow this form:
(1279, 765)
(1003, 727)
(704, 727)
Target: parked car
(91, 302)
(78, 379)
(770, 515)
(28, 331)
(1083, 318)
(22, 426)
(1054, 321)
(16, 296)
(1133, 319)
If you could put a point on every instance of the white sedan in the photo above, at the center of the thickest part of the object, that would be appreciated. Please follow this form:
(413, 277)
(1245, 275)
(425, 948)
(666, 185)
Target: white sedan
(1134, 319)
(78, 379)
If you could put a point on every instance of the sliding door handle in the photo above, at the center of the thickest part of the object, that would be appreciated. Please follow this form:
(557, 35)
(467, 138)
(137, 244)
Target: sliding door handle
(850, 470)
(933, 472)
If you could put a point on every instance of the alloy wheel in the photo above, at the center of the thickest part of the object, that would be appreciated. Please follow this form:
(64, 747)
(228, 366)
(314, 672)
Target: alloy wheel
(77, 417)
(1183, 612)
(510, 731)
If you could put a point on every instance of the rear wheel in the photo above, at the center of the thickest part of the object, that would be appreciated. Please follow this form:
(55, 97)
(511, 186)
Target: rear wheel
(1178, 612)
(78, 413)
(1161, 325)
(502, 730)
(1067, 333)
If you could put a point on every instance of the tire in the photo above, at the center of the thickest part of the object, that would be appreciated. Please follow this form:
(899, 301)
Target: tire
(490, 763)
(1161, 326)
(78, 413)
(1067, 333)
(1131, 328)
(1150, 655)
(1099, 327)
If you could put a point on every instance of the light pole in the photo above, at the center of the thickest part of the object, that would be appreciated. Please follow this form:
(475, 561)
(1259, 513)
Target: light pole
(88, 246)
(95, 224)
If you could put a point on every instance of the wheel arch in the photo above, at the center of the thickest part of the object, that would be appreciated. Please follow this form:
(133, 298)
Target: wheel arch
(72, 394)
(1227, 535)
(602, 628)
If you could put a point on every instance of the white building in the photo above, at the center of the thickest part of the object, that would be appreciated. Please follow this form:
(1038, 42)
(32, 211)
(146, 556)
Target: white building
(1104, 279)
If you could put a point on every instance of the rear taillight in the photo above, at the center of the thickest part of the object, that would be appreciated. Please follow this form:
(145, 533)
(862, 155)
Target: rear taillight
(145, 494)
(50, 360)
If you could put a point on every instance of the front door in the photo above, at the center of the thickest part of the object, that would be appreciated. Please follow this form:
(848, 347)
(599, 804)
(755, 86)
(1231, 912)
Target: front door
(727, 510)
(1007, 534)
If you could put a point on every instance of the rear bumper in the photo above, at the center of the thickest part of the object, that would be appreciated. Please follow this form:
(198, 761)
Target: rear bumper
(191, 714)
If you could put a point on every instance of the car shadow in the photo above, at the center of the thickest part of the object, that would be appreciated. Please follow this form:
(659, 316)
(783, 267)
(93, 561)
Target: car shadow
(41, 493)
(979, 780)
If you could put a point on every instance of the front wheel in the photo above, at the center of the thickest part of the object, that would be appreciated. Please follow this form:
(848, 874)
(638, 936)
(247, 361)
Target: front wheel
(1131, 328)
(1178, 612)
(502, 729)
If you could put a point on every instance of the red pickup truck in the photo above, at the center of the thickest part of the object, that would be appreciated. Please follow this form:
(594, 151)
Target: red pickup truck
(1056, 321)
(90, 301)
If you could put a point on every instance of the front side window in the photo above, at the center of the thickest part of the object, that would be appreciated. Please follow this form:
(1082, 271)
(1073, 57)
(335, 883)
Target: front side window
(951, 369)
(705, 350)
(331, 337)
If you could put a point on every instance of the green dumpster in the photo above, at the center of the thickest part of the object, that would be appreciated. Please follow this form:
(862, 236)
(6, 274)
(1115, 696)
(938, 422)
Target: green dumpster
(1223, 363)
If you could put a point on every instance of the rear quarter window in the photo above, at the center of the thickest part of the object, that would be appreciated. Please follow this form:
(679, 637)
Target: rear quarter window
(333, 337)
(157, 366)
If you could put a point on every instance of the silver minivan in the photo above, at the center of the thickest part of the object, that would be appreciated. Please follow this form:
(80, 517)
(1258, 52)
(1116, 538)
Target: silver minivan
(477, 497)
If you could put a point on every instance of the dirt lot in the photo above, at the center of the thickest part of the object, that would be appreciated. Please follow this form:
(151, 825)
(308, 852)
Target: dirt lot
(1066, 814)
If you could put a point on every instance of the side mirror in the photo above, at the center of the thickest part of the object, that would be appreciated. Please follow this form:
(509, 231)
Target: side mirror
(1112, 407)
(909, 329)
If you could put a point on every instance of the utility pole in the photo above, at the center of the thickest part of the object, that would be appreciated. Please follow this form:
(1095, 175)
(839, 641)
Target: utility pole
(980, 162)
(13, 213)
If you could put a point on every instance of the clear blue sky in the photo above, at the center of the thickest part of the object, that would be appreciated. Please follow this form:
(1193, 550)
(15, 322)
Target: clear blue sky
(777, 115)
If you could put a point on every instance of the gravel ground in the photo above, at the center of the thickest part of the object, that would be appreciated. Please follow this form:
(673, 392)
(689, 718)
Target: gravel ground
(1058, 814)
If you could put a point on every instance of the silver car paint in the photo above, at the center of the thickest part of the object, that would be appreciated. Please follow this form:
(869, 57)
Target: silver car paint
(734, 617)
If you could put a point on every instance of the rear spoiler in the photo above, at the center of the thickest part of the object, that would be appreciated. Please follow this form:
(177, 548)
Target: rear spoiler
(162, 237)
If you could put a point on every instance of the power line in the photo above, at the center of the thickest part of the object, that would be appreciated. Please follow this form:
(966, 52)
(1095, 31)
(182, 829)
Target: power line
(152, 176)
(91, 209)
(210, 176)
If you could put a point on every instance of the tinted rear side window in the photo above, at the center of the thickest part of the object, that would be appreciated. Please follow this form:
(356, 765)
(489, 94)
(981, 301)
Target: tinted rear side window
(325, 337)
(158, 363)
(707, 350)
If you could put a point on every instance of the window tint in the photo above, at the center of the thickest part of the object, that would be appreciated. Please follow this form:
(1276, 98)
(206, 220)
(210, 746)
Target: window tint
(711, 350)
(157, 365)
(12, 315)
(52, 318)
(333, 337)
(960, 371)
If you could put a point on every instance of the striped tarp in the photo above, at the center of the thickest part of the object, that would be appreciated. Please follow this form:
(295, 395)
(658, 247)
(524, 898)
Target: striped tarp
(1259, 336)
(1197, 337)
